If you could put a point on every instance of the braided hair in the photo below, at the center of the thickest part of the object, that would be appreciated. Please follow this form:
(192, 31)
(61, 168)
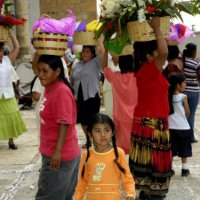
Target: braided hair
(102, 118)
(54, 63)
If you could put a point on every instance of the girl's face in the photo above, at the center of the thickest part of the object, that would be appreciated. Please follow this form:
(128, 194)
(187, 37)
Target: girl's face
(47, 75)
(181, 87)
(86, 54)
(101, 135)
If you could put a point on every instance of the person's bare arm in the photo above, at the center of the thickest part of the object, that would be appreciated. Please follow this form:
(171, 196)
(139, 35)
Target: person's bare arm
(161, 43)
(186, 107)
(36, 96)
(56, 158)
(14, 53)
(103, 54)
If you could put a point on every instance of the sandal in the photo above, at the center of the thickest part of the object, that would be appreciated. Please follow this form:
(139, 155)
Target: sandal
(12, 146)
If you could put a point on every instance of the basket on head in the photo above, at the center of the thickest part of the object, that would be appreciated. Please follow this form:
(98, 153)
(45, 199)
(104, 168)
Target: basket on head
(140, 32)
(85, 38)
(50, 43)
(3, 34)
(127, 50)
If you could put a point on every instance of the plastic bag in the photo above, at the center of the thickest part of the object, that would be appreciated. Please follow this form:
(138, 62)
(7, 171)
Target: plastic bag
(179, 33)
(63, 26)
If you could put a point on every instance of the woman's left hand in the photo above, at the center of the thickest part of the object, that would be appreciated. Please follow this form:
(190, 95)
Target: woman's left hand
(55, 160)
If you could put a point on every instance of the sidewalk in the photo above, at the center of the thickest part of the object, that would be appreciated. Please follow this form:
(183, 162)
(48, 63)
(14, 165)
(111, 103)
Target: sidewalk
(19, 170)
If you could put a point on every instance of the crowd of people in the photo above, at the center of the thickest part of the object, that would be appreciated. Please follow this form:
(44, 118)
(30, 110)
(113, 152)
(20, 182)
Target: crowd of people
(151, 118)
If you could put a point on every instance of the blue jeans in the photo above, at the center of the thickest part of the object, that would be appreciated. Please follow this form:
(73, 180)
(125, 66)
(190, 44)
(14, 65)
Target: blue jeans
(193, 100)
(59, 183)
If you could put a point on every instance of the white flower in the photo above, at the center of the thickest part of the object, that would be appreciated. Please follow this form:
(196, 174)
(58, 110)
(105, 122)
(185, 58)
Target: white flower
(141, 15)
(109, 8)
(150, 1)
(141, 3)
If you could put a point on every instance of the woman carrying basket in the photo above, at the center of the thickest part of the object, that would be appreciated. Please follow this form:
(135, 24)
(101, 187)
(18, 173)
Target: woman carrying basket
(150, 152)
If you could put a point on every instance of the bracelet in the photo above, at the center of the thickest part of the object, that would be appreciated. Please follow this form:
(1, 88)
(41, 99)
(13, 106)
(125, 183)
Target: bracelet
(159, 37)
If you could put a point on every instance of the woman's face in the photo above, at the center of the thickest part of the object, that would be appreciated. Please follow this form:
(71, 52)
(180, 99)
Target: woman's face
(86, 54)
(47, 75)
(151, 57)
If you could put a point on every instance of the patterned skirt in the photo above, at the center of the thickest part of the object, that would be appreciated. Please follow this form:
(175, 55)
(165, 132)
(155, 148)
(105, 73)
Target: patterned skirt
(150, 155)
(11, 123)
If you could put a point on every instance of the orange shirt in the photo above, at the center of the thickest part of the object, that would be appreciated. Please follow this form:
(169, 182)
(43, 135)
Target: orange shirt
(102, 177)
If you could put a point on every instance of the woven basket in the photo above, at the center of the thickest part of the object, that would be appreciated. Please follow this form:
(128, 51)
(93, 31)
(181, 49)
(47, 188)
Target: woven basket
(50, 43)
(85, 38)
(127, 50)
(140, 32)
(3, 34)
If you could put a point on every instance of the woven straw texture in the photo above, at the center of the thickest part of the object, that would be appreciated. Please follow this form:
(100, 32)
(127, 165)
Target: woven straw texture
(3, 34)
(50, 43)
(85, 38)
(172, 42)
(128, 50)
(139, 32)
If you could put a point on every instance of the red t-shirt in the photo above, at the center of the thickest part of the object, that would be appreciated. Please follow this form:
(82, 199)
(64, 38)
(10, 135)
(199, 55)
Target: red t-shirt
(58, 107)
(152, 92)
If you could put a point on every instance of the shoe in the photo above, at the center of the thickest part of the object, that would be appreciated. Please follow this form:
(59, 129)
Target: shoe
(185, 172)
(172, 172)
(12, 146)
(194, 141)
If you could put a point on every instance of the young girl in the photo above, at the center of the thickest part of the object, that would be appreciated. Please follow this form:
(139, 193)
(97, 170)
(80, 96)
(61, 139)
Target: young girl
(58, 137)
(178, 125)
(104, 165)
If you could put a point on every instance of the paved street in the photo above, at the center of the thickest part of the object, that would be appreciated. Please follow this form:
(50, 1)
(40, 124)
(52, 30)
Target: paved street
(19, 170)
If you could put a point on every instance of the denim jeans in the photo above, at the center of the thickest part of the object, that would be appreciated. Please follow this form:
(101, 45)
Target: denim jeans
(193, 99)
(58, 184)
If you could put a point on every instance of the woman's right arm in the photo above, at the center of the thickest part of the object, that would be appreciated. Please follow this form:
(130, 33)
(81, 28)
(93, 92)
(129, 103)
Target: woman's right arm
(161, 43)
(103, 54)
(14, 53)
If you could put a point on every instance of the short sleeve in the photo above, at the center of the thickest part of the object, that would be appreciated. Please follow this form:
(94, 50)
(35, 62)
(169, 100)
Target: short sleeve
(109, 74)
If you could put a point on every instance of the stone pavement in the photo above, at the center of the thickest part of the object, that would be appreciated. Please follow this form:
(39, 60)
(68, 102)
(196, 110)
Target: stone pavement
(19, 169)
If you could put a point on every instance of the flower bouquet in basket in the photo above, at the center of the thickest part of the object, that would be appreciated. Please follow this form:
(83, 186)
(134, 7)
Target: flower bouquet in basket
(50, 36)
(128, 19)
(7, 20)
(85, 33)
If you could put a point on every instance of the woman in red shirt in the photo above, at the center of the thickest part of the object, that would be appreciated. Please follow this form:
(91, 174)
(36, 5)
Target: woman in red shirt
(58, 137)
(150, 152)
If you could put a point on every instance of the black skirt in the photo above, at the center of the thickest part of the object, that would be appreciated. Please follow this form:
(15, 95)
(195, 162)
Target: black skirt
(87, 109)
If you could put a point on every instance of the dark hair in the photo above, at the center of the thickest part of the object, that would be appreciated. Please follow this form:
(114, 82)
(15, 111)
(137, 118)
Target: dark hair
(54, 63)
(141, 49)
(174, 79)
(102, 118)
(173, 52)
(2, 45)
(126, 63)
(92, 49)
(189, 51)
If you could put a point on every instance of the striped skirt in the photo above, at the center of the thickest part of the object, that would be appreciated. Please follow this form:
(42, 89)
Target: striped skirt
(150, 156)
(11, 123)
